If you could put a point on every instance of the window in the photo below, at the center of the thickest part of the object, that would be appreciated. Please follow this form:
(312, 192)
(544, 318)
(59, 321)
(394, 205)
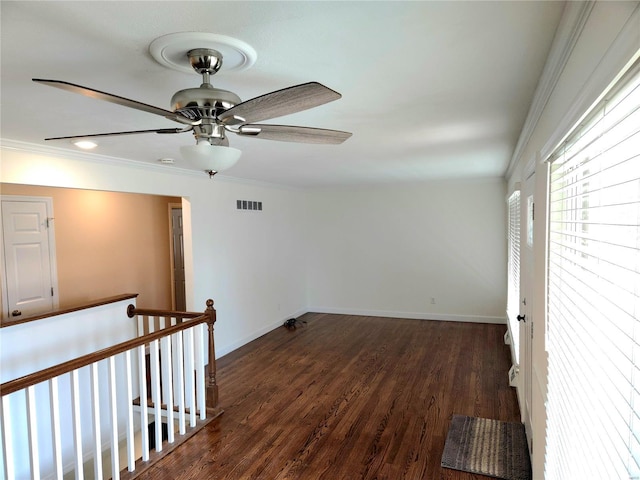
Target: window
(593, 404)
(513, 271)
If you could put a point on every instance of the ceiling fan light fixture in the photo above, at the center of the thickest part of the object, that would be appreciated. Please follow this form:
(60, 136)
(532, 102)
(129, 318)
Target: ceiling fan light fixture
(207, 157)
(85, 144)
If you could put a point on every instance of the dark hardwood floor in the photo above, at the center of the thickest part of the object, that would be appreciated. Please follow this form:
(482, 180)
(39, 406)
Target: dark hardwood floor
(348, 397)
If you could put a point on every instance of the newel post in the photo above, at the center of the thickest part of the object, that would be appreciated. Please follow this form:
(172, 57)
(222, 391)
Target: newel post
(212, 385)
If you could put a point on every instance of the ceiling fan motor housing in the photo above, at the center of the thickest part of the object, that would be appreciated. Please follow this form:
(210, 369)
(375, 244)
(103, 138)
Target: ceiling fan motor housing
(206, 100)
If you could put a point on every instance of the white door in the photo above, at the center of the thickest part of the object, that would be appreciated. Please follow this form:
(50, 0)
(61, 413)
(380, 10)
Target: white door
(28, 257)
(526, 305)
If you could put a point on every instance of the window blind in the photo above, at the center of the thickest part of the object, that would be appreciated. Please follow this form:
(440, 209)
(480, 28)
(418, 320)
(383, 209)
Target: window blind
(593, 309)
(513, 271)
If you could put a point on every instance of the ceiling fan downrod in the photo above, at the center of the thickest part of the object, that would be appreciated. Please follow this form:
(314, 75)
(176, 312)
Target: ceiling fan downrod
(206, 62)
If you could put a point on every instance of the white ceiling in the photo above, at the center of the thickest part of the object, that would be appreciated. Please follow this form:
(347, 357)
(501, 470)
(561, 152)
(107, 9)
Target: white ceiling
(431, 90)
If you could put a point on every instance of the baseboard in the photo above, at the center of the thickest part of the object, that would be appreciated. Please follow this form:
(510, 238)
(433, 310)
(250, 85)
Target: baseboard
(411, 315)
(225, 349)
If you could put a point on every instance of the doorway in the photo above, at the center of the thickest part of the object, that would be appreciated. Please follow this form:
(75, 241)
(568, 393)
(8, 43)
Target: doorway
(526, 305)
(28, 257)
(177, 257)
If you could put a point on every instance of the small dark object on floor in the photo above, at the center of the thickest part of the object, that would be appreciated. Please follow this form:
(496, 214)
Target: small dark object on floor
(292, 323)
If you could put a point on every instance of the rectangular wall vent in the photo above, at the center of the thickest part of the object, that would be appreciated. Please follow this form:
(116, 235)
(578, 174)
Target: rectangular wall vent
(248, 205)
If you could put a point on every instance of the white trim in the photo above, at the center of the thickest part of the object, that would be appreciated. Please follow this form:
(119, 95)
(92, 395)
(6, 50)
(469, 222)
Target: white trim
(48, 151)
(620, 56)
(573, 20)
(225, 349)
(411, 315)
(530, 167)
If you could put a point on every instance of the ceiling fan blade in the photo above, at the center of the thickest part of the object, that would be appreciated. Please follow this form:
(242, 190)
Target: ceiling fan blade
(289, 133)
(281, 102)
(133, 132)
(108, 97)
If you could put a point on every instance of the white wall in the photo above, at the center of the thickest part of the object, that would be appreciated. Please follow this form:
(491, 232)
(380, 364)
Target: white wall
(380, 250)
(388, 250)
(250, 263)
(609, 39)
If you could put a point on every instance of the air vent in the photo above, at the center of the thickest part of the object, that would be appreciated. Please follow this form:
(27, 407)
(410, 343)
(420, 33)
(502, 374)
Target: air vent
(248, 205)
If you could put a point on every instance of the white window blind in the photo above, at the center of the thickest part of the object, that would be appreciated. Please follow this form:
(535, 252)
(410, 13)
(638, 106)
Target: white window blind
(593, 341)
(513, 271)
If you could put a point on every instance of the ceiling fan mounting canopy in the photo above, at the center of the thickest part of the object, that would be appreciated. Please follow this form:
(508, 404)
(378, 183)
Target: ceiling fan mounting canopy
(210, 112)
(171, 50)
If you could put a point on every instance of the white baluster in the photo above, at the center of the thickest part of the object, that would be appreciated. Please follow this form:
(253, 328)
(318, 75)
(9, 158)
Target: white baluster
(155, 392)
(32, 425)
(97, 433)
(55, 426)
(200, 377)
(190, 371)
(77, 430)
(179, 377)
(168, 384)
(7, 439)
(140, 321)
(115, 453)
(144, 413)
(131, 455)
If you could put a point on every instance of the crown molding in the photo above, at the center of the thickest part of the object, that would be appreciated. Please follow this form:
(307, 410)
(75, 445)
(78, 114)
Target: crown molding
(621, 56)
(48, 151)
(574, 18)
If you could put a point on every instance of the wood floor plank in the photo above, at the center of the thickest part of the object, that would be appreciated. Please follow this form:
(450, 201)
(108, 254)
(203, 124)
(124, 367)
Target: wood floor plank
(348, 397)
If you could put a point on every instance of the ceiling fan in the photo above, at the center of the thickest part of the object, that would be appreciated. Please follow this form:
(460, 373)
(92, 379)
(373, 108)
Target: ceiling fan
(209, 113)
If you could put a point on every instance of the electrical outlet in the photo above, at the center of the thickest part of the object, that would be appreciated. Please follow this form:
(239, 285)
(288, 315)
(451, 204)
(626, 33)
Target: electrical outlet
(433, 301)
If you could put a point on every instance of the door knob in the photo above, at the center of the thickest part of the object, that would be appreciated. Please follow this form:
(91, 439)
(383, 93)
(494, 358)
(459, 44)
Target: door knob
(521, 318)
(16, 313)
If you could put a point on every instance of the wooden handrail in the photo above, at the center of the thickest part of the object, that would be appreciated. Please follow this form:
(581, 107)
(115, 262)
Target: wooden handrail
(132, 311)
(62, 311)
(66, 367)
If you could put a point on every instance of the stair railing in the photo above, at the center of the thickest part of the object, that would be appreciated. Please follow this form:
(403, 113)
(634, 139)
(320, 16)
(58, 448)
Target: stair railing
(170, 354)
